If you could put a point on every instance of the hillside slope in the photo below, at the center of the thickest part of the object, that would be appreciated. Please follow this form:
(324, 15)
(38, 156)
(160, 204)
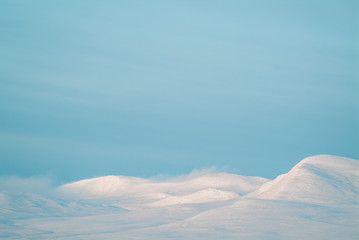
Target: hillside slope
(148, 192)
(321, 179)
(317, 199)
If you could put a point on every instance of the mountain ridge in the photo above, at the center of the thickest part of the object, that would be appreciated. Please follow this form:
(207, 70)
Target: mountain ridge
(317, 199)
(317, 179)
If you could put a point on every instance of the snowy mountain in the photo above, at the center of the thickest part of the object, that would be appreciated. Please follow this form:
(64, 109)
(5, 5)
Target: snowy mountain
(319, 179)
(317, 199)
(131, 192)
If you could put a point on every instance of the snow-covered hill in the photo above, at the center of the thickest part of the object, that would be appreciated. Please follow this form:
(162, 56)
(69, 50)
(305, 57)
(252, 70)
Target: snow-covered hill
(317, 199)
(320, 179)
(131, 192)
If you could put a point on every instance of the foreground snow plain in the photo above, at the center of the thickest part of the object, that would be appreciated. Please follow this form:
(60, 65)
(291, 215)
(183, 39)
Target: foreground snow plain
(317, 199)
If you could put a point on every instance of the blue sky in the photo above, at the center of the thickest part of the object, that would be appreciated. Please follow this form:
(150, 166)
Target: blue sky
(90, 88)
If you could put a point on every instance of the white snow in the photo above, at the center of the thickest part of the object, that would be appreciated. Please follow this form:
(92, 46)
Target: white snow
(136, 192)
(203, 196)
(321, 179)
(317, 199)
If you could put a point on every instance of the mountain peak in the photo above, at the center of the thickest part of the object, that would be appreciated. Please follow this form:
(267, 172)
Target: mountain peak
(318, 179)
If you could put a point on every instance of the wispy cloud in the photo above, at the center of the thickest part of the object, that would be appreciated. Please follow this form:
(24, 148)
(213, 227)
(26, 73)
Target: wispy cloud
(36, 184)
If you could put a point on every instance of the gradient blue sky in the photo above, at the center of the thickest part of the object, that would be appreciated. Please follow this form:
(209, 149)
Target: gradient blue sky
(91, 88)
